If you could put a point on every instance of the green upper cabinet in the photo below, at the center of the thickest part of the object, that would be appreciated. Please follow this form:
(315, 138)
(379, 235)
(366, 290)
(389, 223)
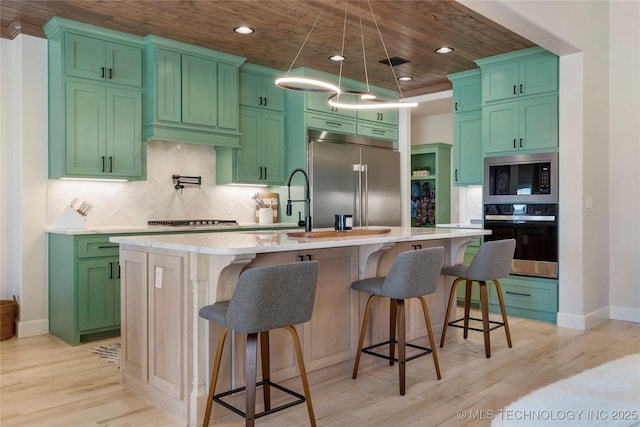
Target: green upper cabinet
(388, 116)
(259, 90)
(467, 127)
(192, 93)
(95, 102)
(522, 73)
(261, 156)
(318, 101)
(96, 59)
(530, 125)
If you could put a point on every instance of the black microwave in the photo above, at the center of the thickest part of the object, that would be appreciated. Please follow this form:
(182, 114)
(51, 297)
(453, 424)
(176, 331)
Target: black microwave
(523, 178)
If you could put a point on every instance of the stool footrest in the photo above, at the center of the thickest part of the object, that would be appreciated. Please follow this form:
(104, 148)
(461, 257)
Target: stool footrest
(367, 350)
(299, 399)
(454, 323)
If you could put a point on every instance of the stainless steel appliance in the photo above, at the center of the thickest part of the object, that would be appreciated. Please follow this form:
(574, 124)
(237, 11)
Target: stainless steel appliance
(535, 228)
(353, 175)
(524, 178)
(190, 222)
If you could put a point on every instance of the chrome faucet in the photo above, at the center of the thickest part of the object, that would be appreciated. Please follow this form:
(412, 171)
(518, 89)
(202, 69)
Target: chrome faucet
(306, 200)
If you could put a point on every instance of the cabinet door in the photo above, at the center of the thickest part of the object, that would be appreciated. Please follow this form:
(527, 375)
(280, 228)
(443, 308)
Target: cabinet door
(86, 130)
(467, 148)
(538, 123)
(538, 75)
(199, 91)
(260, 91)
(467, 95)
(318, 101)
(249, 157)
(96, 293)
(165, 300)
(499, 82)
(500, 127)
(124, 133)
(272, 147)
(274, 94)
(227, 101)
(385, 116)
(123, 64)
(85, 57)
(168, 86)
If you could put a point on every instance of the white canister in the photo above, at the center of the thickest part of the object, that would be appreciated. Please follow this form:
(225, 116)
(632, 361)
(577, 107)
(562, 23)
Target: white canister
(265, 216)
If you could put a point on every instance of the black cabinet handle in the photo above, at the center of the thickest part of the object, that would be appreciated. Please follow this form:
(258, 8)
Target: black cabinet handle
(102, 72)
(455, 106)
(378, 131)
(265, 172)
(301, 257)
(514, 90)
(415, 247)
(514, 143)
(259, 172)
(118, 270)
(110, 73)
(521, 88)
(333, 123)
(102, 157)
(308, 257)
(108, 247)
(520, 142)
(456, 175)
(522, 294)
(110, 270)
(265, 101)
(110, 164)
(260, 103)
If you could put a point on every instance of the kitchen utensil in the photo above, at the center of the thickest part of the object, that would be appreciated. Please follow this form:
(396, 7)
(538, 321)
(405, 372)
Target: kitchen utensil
(343, 222)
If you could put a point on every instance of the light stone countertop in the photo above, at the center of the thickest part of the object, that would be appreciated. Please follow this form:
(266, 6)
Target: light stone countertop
(140, 229)
(251, 242)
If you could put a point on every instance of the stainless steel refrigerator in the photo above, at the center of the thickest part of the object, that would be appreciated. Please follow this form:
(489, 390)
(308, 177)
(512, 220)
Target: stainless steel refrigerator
(353, 175)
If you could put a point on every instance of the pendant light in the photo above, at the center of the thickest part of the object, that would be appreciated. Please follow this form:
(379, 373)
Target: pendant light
(358, 100)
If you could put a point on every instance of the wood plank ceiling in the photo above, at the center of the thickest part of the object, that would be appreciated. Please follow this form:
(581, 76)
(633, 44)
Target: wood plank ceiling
(410, 29)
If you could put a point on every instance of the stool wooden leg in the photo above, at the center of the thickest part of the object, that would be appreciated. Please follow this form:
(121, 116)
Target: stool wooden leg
(484, 304)
(393, 312)
(214, 377)
(303, 374)
(452, 296)
(250, 379)
(401, 345)
(432, 344)
(467, 306)
(266, 368)
(503, 310)
(363, 332)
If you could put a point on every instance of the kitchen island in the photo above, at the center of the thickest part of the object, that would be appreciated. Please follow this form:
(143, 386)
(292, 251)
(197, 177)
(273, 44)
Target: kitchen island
(167, 349)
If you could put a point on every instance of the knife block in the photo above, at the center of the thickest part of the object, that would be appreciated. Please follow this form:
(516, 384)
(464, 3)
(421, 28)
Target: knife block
(70, 219)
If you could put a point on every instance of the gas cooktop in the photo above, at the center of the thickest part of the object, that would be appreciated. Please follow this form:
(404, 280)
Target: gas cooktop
(192, 222)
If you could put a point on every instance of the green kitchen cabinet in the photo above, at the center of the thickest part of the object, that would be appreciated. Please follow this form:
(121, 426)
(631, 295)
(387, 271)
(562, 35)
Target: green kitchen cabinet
(95, 102)
(467, 127)
(84, 287)
(97, 59)
(512, 75)
(261, 156)
(104, 132)
(258, 88)
(387, 116)
(378, 131)
(192, 93)
(319, 102)
(436, 159)
(529, 297)
(527, 125)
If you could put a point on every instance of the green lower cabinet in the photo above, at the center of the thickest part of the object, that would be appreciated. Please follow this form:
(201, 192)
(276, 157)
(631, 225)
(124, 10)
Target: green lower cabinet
(98, 286)
(529, 297)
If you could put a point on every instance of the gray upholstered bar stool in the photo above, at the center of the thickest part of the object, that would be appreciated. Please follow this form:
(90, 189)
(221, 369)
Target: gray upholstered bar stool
(412, 275)
(491, 262)
(265, 298)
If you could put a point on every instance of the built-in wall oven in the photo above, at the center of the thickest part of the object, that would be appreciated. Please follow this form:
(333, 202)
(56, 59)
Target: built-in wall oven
(520, 196)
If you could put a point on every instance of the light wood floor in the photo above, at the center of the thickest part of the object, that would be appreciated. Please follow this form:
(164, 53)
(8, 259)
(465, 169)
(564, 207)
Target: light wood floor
(45, 382)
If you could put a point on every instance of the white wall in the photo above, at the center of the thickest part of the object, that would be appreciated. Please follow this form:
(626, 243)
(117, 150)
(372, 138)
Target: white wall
(597, 258)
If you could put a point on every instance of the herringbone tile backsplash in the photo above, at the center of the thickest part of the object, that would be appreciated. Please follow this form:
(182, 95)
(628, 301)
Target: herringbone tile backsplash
(133, 203)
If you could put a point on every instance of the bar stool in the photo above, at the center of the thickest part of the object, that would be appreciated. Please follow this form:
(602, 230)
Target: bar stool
(491, 262)
(412, 275)
(265, 298)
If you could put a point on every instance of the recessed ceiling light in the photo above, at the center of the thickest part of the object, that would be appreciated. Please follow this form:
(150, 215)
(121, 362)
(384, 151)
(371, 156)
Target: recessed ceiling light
(444, 49)
(337, 58)
(405, 78)
(243, 30)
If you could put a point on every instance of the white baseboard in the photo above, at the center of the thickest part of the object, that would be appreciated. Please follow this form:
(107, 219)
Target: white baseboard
(625, 313)
(32, 328)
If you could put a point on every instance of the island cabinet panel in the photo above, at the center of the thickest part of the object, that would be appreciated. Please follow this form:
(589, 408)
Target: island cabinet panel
(436, 302)
(330, 337)
(153, 338)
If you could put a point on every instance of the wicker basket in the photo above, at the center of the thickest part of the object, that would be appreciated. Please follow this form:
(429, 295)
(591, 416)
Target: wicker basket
(7, 315)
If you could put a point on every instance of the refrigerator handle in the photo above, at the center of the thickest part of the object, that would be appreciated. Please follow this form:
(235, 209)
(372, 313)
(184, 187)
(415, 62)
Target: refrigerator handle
(365, 203)
(357, 168)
